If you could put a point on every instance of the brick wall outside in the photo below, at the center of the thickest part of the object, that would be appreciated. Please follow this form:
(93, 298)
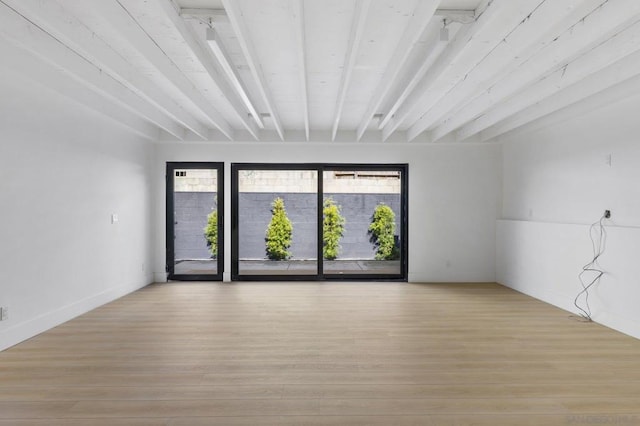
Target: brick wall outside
(190, 214)
(192, 209)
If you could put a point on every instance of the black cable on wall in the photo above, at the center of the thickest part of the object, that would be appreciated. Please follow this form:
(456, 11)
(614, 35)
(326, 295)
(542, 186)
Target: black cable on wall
(598, 235)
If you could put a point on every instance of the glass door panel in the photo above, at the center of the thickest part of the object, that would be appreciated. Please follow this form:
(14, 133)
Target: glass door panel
(369, 205)
(275, 222)
(194, 221)
(319, 221)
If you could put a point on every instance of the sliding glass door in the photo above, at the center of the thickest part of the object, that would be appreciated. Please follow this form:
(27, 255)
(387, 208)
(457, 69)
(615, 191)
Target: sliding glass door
(319, 221)
(368, 203)
(276, 211)
(195, 206)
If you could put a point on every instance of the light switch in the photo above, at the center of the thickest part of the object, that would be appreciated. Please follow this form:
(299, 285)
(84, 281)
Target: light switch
(114, 218)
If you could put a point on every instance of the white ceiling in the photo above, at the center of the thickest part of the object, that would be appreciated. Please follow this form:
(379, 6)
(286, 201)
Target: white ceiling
(349, 70)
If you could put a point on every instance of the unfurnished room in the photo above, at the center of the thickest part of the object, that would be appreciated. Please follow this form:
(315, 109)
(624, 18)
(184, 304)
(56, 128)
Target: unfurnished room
(319, 212)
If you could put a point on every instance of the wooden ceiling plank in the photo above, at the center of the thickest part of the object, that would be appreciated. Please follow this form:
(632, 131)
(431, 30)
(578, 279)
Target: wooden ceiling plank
(25, 33)
(472, 43)
(608, 86)
(418, 23)
(52, 77)
(130, 30)
(606, 55)
(242, 33)
(58, 22)
(435, 48)
(298, 22)
(355, 38)
(596, 28)
(541, 27)
(199, 47)
(604, 25)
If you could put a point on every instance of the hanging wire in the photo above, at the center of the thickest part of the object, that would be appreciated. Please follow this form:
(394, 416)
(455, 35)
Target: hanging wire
(598, 235)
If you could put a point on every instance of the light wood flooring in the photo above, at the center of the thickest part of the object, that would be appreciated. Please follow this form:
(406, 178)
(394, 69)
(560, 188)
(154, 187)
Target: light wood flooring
(323, 354)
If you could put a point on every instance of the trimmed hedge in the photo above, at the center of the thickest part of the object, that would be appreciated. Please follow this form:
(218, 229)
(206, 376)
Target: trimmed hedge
(279, 232)
(332, 229)
(382, 233)
(211, 233)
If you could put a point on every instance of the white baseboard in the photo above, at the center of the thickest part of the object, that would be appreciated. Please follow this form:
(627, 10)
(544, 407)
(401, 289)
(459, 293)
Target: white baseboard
(160, 277)
(30, 328)
(543, 260)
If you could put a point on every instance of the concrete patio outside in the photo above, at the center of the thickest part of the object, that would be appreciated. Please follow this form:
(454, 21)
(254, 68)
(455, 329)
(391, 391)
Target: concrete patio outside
(293, 267)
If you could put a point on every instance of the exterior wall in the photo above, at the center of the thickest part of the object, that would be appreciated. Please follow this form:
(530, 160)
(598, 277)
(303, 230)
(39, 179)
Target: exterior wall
(190, 215)
(363, 182)
(195, 180)
(192, 209)
(358, 210)
(255, 214)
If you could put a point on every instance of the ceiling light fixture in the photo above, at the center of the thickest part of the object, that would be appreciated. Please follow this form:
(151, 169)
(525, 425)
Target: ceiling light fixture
(444, 31)
(221, 55)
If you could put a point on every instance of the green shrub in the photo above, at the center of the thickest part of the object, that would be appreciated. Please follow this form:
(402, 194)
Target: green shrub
(211, 233)
(332, 229)
(382, 230)
(279, 232)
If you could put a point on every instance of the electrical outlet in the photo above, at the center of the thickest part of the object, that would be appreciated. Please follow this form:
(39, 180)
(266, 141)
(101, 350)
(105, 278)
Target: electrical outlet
(4, 313)
(607, 214)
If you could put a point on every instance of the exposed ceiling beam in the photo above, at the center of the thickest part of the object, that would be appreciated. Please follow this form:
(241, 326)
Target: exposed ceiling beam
(130, 30)
(355, 38)
(541, 28)
(26, 34)
(433, 50)
(215, 15)
(322, 136)
(606, 54)
(242, 33)
(298, 22)
(588, 34)
(200, 49)
(457, 15)
(63, 26)
(569, 104)
(417, 24)
(472, 43)
(50, 77)
(620, 78)
(220, 15)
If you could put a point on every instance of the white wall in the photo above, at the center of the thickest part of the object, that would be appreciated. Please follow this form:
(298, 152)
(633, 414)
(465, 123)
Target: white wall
(63, 172)
(454, 197)
(556, 181)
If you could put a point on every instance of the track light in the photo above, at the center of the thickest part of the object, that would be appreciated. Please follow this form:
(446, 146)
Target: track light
(444, 31)
(221, 55)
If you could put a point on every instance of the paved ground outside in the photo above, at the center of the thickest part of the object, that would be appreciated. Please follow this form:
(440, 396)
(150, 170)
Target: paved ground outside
(196, 267)
(292, 267)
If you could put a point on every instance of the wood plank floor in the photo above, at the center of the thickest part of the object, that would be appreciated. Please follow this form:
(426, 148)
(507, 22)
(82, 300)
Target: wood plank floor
(323, 354)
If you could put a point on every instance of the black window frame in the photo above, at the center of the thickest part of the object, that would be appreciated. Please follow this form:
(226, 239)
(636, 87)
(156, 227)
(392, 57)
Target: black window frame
(402, 276)
(170, 220)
